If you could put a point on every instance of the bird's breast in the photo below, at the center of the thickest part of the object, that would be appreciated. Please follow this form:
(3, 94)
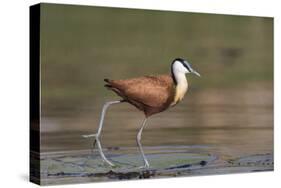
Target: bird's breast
(180, 91)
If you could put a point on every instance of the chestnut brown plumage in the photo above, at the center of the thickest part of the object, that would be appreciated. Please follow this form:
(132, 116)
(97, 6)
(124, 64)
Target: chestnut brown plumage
(150, 94)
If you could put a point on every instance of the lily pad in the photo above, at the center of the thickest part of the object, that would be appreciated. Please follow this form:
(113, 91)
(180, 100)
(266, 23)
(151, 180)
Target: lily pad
(86, 166)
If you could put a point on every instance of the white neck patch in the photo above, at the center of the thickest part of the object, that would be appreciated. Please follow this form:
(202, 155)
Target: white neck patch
(179, 72)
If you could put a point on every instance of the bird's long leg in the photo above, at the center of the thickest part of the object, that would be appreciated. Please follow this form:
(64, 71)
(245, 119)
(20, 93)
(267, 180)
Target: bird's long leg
(97, 135)
(146, 164)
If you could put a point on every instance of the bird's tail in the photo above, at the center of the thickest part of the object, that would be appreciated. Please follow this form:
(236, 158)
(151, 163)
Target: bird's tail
(107, 80)
(108, 83)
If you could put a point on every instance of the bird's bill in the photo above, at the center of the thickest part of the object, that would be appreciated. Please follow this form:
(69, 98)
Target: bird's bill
(196, 73)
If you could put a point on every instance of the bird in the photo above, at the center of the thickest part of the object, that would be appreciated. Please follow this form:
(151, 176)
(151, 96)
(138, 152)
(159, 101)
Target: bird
(149, 94)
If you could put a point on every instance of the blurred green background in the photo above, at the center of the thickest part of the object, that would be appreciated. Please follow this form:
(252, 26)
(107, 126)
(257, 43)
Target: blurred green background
(82, 45)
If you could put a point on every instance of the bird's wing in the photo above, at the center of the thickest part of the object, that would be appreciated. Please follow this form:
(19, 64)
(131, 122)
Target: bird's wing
(152, 91)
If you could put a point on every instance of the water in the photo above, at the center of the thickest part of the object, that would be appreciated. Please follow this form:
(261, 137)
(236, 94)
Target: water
(225, 121)
(190, 139)
(165, 161)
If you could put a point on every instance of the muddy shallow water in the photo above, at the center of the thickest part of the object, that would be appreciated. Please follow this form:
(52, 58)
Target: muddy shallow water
(223, 132)
(165, 161)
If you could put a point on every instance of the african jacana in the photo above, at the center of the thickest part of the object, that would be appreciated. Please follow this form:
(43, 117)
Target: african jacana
(150, 94)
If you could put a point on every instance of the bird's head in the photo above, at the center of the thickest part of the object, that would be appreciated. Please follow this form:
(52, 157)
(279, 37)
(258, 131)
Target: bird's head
(180, 65)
